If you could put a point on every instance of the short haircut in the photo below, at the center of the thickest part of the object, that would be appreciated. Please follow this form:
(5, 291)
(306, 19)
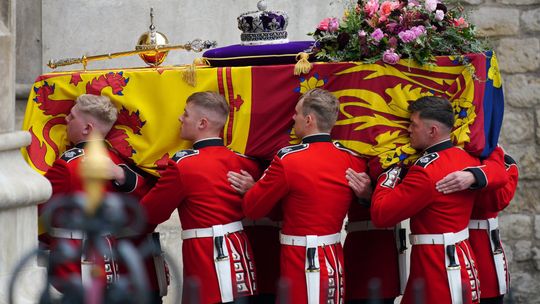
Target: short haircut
(213, 102)
(323, 105)
(99, 107)
(435, 108)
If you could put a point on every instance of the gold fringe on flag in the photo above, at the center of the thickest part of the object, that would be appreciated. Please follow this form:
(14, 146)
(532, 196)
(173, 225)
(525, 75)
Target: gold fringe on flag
(302, 66)
(189, 75)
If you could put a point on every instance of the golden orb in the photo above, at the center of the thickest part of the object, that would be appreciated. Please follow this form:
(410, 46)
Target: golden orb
(151, 41)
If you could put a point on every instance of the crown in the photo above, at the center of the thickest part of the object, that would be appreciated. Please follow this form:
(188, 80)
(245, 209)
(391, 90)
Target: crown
(263, 26)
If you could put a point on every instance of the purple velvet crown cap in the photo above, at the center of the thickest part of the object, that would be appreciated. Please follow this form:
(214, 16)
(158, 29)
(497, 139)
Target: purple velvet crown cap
(263, 26)
(243, 55)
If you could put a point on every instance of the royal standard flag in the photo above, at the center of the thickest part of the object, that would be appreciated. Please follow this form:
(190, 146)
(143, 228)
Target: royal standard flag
(373, 118)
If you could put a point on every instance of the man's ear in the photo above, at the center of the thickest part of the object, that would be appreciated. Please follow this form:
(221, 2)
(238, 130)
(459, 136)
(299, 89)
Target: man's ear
(436, 129)
(88, 128)
(309, 119)
(203, 123)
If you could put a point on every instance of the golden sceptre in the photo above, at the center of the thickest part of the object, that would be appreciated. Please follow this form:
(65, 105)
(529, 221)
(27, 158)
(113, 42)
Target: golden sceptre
(152, 46)
(196, 45)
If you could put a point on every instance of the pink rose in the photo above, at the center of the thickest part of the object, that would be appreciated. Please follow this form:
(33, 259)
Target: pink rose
(386, 8)
(371, 7)
(413, 3)
(461, 23)
(407, 36)
(439, 15)
(323, 25)
(390, 57)
(418, 30)
(431, 5)
(333, 25)
(362, 33)
(377, 35)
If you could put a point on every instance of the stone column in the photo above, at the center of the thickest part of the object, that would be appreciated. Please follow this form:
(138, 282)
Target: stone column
(21, 188)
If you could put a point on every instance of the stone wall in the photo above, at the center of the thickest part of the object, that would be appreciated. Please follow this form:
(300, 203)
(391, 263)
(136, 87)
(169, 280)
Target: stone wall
(21, 188)
(513, 26)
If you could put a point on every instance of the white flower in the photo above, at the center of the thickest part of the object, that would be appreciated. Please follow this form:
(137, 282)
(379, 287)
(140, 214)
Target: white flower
(431, 5)
(439, 15)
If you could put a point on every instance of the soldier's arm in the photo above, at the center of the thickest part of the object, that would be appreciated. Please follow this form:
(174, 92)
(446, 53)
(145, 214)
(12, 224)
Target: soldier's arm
(490, 175)
(266, 192)
(165, 196)
(500, 198)
(128, 179)
(60, 178)
(392, 203)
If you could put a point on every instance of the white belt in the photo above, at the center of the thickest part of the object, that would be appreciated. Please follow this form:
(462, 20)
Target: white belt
(222, 262)
(261, 222)
(322, 240)
(498, 257)
(67, 233)
(64, 233)
(438, 239)
(490, 224)
(209, 232)
(312, 265)
(453, 272)
(363, 226)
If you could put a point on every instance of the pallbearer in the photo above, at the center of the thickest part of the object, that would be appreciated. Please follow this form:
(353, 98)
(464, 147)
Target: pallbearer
(309, 180)
(90, 113)
(502, 174)
(441, 255)
(215, 250)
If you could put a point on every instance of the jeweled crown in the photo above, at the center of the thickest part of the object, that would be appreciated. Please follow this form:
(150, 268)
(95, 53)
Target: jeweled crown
(263, 26)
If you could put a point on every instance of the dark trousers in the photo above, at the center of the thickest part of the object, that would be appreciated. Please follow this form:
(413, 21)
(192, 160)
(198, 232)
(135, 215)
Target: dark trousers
(372, 301)
(497, 300)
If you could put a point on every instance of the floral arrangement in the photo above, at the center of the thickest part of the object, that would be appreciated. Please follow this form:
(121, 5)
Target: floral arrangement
(372, 30)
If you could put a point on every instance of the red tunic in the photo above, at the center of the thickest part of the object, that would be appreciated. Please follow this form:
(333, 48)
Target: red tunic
(370, 254)
(195, 183)
(431, 212)
(64, 177)
(488, 205)
(309, 180)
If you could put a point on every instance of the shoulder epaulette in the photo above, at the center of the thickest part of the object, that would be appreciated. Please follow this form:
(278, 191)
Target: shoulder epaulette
(343, 148)
(291, 149)
(178, 156)
(72, 154)
(509, 161)
(425, 160)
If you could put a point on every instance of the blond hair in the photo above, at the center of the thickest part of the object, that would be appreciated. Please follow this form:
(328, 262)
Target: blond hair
(212, 102)
(323, 105)
(100, 108)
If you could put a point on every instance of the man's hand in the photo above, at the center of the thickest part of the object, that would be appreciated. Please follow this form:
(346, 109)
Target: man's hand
(241, 182)
(360, 183)
(455, 181)
(117, 173)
